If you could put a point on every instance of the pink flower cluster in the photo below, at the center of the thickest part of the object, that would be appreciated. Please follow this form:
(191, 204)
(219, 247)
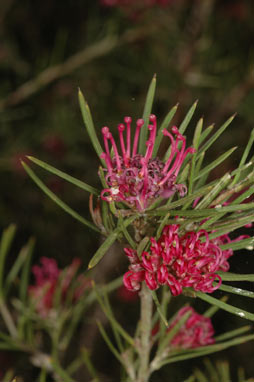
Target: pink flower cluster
(48, 277)
(188, 260)
(136, 179)
(196, 331)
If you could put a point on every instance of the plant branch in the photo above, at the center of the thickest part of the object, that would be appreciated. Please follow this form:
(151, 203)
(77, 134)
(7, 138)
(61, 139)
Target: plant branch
(145, 333)
(73, 63)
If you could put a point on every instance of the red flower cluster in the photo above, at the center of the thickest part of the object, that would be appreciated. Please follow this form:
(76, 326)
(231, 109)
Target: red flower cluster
(137, 179)
(189, 260)
(47, 279)
(197, 330)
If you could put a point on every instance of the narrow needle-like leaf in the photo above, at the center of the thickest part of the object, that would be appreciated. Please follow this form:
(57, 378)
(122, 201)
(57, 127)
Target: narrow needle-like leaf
(245, 155)
(64, 176)
(159, 308)
(204, 350)
(109, 343)
(56, 199)
(163, 126)
(88, 121)
(228, 308)
(215, 163)
(187, 118)
(6, 241)
(196, 139)
(108, 242)
(24, 280)
(216, 135)
(103, 249)
(146, 115)
(238, 291)
(228, 276)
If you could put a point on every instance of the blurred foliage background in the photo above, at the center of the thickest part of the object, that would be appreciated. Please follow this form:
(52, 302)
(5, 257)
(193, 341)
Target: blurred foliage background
(200, 49)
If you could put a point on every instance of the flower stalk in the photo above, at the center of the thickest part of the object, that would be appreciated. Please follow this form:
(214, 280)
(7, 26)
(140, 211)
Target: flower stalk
(146, 301)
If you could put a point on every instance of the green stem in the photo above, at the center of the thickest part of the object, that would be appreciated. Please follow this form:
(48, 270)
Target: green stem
(145, 333)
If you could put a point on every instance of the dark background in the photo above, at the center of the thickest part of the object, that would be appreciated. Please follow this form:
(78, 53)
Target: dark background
(200, 49)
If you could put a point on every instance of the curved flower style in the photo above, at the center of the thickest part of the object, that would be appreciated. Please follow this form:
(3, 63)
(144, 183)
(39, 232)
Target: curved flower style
(189, 260)
(197, 330)
(136, 179)
(47, 279)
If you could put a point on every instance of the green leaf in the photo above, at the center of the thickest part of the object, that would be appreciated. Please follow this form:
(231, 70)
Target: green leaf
(85, 355)
(109, 343)
(21, 258)
(244, 196)
(117, 328)
(245, 155)
(216, 135)
(24, 279)
(231, 191)
(146, 115)
(224, 306)
(219, 186)
(199, 163)
(56, 199)
(159, 308)
(182, 127)
(88, 121)
(163, 126)
(215, 163)
(245, 243)
(102, 177)
(206, 212)
(228, 276)
(213, 309)
(125, 232)
(204, 350)
(187, 118)
(232, 333)
(190, 379)
(230, 225)
(103, 249)
(206, 132)
(189, 198)
(200, 376)
(61, 372)
(238, 291)
(43, 375)
(5, 244)
(196, 140)
(64, 176)
(108, 242)
(162, 225)
(142, 245)
(8, 376)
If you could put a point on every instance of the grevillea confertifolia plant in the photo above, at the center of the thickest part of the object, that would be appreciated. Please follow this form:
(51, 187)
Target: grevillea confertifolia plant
(175, 224)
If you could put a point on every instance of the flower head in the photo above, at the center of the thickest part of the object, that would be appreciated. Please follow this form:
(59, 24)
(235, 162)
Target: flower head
(48, 277)
(179, 260)
(137, 179)
(196, 331)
